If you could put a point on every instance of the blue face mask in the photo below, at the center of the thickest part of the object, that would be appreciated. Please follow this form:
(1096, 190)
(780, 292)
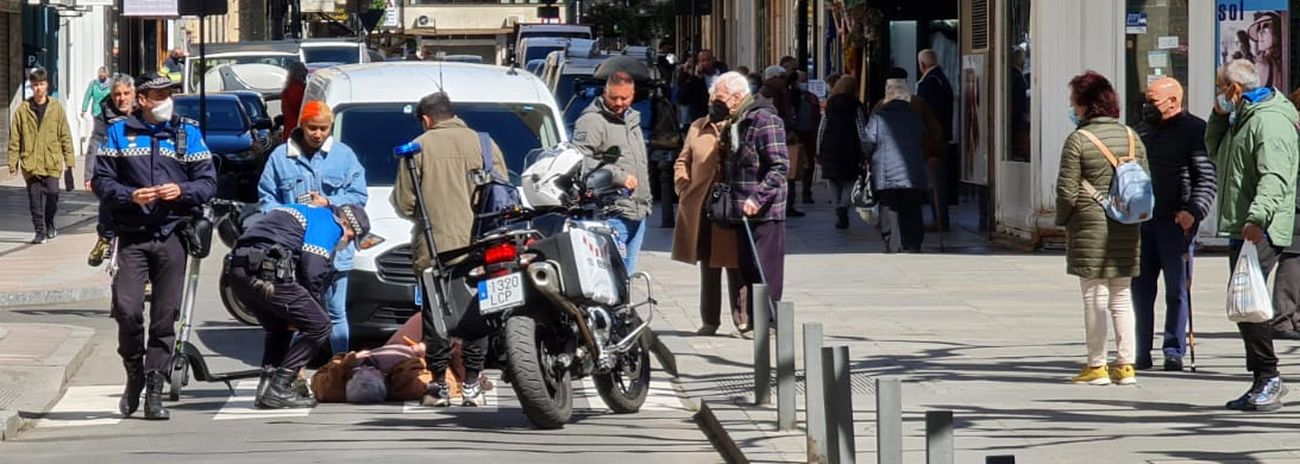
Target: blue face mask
(1225, 105)
(1074, 117)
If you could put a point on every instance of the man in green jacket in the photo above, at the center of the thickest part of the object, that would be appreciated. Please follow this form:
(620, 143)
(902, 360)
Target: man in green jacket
(40, 146)
(1251, 136)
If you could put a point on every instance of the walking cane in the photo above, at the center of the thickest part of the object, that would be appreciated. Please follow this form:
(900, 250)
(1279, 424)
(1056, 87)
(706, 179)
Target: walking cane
(1191, 328)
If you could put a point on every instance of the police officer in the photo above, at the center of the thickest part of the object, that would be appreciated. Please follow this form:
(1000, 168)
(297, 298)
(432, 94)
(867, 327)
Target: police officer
(152, 170)
(280, 268)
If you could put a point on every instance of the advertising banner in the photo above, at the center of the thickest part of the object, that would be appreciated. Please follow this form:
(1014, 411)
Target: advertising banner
(1257, 31)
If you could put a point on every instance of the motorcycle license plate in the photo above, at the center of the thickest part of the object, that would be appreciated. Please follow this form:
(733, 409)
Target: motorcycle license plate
(501, 293)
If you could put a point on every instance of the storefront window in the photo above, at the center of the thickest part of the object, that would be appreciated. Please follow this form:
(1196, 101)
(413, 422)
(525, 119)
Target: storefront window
(1018, 89)
(1155, 47)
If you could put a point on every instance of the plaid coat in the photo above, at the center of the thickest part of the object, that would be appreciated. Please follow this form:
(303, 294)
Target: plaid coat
(757, 167)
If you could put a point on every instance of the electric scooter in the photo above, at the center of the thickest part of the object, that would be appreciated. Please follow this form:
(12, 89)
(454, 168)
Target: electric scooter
(186, 356)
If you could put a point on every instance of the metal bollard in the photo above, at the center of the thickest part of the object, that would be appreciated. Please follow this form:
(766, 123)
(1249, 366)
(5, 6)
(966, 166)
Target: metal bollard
(889, 420)
(762, 342)
(814, 394)
(840, 448)
(938, 437)
(785, 382)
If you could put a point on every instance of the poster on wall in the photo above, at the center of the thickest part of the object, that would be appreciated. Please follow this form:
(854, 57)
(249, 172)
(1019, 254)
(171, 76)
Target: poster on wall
(974, 123)
(1257, 31)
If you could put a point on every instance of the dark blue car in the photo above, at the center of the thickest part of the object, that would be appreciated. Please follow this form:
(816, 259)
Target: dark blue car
(234, 140)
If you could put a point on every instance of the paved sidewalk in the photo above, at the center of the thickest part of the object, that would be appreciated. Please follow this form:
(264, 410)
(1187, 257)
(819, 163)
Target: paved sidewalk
(36, 361)
(993, 337)
(54, 272)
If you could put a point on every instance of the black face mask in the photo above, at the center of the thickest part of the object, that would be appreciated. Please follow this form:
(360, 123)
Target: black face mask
(718, 111)
(1150, 114)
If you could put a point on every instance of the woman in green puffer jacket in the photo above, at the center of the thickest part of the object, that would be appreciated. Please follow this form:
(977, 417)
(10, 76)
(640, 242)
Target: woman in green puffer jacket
(1103, 253)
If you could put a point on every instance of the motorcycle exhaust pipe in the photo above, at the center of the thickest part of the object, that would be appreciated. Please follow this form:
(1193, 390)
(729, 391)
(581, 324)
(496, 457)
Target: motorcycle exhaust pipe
(546, 278)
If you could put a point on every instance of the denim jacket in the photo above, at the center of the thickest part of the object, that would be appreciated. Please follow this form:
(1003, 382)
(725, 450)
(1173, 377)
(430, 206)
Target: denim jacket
(334, 172)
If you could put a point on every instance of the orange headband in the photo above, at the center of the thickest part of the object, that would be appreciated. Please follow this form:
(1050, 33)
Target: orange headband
(312, 110)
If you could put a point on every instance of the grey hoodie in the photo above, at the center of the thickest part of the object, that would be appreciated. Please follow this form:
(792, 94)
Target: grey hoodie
(596, 131)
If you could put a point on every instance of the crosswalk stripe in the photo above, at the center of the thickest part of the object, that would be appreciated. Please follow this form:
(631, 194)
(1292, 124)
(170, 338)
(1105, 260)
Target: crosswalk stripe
(661, 397)
(84, 405)
(240, 405)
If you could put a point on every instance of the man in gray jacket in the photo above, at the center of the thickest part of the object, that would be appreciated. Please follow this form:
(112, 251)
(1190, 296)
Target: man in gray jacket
(611, 122)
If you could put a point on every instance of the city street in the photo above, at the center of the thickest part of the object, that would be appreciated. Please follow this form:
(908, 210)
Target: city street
(210, 424)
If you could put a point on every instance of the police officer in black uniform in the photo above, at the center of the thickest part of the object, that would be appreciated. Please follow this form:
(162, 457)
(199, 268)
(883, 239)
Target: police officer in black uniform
(153, 170)
(280, 268)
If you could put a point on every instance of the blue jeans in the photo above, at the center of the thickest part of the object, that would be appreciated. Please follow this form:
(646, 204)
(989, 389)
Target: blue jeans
(336, 304)
(1165, 249)
(632, 232)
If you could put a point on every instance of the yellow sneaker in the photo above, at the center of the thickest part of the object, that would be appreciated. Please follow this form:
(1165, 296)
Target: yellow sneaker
(1124, 374)
(1093, 376)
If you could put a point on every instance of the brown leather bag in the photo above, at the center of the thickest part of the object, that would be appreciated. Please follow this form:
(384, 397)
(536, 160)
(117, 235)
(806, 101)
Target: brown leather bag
(408, 380)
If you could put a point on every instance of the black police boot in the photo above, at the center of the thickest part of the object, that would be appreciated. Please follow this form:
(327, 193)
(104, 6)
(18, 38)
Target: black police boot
(153, 397)
(130, 401)
(263, 383)
(841, 218)
(280, 393)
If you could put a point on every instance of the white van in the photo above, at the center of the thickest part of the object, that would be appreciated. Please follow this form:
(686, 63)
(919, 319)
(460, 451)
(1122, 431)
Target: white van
(374, 107)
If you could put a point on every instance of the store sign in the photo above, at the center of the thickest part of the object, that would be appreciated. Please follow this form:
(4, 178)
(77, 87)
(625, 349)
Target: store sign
(1135, 23)
(153, 8)
(1257, 31)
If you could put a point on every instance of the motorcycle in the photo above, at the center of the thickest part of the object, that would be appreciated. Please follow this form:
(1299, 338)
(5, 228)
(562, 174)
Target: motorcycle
(230, 218)
(552, 286)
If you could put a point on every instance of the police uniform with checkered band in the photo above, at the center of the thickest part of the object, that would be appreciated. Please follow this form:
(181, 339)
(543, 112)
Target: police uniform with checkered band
(292, 249)
(137, 154)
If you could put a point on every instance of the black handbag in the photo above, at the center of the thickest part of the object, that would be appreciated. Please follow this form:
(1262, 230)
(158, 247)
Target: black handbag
(720, 208)
(68, 181)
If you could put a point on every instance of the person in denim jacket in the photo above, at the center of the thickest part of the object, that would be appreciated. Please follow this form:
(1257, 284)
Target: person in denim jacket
(314, 169)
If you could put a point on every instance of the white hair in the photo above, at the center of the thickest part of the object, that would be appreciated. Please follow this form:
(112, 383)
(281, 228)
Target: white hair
(927, 58)
(123, 80)
(1241, 72)
(896, 89)
(731, 83)
(773, 71)
(366, 386)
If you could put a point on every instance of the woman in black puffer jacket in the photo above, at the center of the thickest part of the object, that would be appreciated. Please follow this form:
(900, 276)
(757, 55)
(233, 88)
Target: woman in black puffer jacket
(839, 145)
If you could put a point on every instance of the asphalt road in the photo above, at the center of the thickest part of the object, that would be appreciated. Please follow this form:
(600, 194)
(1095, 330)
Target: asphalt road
(213, 424)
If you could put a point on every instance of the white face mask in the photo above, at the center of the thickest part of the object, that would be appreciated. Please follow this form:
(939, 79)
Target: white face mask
(162, 111)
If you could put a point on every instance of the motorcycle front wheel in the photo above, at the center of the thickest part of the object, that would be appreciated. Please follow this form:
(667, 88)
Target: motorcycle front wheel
(545, 392)
(625, 388)
(233, 306)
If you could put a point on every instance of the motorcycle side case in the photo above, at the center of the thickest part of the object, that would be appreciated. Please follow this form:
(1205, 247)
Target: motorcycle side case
(589, 264)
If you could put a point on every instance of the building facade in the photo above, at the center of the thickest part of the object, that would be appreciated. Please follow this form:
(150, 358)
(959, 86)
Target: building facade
(451, 27)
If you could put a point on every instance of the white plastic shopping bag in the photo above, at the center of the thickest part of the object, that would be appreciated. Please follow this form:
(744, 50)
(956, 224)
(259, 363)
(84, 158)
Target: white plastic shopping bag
(1248, 297)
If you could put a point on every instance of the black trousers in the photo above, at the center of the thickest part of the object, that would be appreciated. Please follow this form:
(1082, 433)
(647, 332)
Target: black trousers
(291, 308)
(769, 242)
(1286, 293)
(143, 259)
(1261, 359)
(472, 331)
(43, 199)
(904, 207)
(711, 285)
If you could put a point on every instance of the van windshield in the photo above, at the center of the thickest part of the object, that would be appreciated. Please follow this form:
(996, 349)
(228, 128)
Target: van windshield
(372, 130)
(343, 54)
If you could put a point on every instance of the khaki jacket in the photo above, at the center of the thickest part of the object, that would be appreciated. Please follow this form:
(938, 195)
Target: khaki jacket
(451, 151)
(42, 149)
(694, 173)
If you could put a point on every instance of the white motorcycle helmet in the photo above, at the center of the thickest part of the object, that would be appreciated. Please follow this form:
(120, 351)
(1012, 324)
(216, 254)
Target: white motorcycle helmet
(548, 179)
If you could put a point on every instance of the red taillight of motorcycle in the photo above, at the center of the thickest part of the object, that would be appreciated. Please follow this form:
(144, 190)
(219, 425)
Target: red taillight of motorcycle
(502, 253)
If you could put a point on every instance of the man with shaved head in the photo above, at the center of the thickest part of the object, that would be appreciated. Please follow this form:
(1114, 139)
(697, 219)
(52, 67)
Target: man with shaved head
(1184, 182)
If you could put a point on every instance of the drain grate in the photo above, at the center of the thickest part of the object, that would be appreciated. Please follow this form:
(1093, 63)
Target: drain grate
(7, 397)
(742, 385)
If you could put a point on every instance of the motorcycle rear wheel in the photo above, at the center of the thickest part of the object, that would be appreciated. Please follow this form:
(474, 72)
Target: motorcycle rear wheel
(625, 388)
(545, 392)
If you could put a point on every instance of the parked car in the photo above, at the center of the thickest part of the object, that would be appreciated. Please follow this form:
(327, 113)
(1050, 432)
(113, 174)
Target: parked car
(342, 51)
(561, 31)
(231, 136)
(373, 116)
(280, 53)
(256, 107)
(536, 48)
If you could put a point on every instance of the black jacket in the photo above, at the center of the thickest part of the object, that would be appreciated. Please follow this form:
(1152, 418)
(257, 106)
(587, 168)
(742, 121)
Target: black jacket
(935, 89)
(1182, 174)
(136, 154)
(107, 117)
(310, 233)
(839, 140)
